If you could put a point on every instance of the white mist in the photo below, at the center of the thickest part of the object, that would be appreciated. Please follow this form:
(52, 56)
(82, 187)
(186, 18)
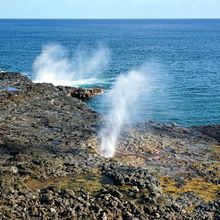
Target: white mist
(55, 66)
(124, 98)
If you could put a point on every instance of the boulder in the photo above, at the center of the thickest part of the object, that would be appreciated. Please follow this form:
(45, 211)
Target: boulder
(81, 93)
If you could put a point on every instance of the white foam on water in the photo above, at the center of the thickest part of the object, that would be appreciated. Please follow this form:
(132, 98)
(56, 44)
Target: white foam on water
(54, 65)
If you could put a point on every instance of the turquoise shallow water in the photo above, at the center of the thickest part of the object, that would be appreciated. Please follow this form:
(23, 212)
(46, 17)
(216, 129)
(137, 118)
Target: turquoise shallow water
(185, 53)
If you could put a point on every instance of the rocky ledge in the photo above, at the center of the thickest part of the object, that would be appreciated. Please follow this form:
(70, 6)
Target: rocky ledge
(17, 81)
(51, 167)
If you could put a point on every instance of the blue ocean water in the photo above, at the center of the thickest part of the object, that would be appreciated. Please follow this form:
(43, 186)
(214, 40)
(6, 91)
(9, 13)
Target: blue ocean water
(186, 53)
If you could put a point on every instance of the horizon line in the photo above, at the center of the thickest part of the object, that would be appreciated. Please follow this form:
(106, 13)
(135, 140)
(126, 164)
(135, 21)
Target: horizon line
(110, 18)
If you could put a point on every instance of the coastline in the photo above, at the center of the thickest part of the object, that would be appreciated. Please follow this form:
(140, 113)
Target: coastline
(51, 166)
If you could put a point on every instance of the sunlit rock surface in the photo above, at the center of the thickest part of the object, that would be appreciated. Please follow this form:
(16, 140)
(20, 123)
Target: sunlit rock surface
(51, 167)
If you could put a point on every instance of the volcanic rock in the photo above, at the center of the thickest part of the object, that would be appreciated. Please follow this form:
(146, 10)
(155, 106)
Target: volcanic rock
(212, 131)
(81, 93)
(51, 167)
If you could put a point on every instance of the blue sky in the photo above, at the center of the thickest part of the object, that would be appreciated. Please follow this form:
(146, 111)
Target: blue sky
(109, 8)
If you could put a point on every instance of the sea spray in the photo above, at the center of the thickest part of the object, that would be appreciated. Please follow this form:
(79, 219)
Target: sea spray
(54, 65)
(124, 98)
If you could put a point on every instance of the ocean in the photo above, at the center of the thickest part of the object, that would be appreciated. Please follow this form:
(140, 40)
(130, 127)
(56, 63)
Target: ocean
(182, 56)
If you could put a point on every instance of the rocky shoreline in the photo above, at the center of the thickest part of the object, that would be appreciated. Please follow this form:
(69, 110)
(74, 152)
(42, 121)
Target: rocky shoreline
(51, 167)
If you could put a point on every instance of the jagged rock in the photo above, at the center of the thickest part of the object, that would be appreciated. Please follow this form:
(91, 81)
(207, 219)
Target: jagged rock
(81, 93)
(51, 167)
(49, 119)
(13, 79)
(212, 131)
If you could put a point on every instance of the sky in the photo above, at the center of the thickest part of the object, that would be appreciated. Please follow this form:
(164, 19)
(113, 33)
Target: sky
(110, 9)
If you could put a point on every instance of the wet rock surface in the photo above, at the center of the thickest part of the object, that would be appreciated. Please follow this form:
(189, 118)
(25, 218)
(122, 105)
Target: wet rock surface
(212, 131)
(41, 117)
(51, 168)
(81, 93)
